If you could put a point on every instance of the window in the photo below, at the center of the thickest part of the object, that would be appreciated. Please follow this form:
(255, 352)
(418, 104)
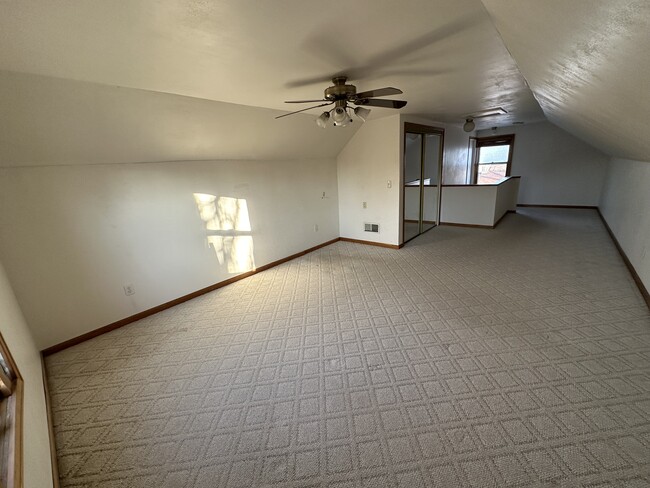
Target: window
(493, 159)
(11, 403)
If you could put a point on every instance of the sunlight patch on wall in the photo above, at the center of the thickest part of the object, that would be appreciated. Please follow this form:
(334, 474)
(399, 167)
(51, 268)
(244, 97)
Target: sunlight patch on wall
(228, 226)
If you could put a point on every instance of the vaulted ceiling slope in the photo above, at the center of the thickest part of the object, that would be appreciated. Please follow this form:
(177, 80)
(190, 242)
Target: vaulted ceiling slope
(588, 64)
(446, 56)
(586, 61)
(54, 121)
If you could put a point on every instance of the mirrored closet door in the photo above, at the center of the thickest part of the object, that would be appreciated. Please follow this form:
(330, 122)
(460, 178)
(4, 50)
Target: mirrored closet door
(423, 148)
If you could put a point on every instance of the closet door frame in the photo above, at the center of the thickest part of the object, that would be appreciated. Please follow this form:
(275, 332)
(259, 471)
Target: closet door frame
(424, 130)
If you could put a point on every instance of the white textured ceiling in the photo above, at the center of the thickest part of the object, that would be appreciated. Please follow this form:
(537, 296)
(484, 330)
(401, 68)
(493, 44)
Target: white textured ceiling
(445, 55)
(588, 63)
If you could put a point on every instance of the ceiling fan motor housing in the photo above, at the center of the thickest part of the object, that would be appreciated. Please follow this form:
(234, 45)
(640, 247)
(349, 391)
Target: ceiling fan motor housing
(340, 91)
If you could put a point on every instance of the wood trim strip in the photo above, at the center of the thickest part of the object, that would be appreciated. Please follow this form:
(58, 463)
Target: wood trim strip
(628, 263)
(50, 427)
(146, 313)
(589, 207)
(15, 406)
(370, 243)
(422, 129)
(492, 140)
(18, 471)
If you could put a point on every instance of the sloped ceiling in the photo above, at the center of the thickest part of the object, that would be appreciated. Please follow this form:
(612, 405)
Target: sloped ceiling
(446, 56)
(586, 61)
(588, 64)
(54, 121)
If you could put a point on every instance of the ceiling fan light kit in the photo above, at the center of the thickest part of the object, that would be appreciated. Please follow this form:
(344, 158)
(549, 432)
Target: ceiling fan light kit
(362, 113)
(340, 95)
(322, 119)
(340, 116)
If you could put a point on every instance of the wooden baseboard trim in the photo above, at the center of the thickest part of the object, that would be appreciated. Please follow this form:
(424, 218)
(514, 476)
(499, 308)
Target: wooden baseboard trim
(370, 243)
(630, 267)
(146, 313)
(50, 427)
(589, 207)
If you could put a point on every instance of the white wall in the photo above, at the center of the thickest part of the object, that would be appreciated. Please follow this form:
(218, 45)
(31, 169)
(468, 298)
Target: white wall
(556, 168)
(36, 448)
(365, 165)
(478, 204)
(456, 151)
(507, 196)
(625, 204)
(456, 167)
(473, 205)
(97, 191)
(72, 236)
(375, 155)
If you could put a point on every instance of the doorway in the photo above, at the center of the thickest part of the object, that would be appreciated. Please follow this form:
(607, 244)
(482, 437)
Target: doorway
(422, 175)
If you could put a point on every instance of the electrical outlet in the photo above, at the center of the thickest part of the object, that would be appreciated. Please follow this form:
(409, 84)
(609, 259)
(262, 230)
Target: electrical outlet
(364, 205)
(323, 195)
(129, 289)
(315, 227)
(389, 184)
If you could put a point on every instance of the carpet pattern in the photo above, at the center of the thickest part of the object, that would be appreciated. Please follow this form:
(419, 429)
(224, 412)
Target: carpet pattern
(518, 356)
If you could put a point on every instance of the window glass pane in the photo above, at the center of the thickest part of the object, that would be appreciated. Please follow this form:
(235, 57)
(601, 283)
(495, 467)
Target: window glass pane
(412, 159)
(494, 154)
(4, 366)
(431, 157)
(491, 173)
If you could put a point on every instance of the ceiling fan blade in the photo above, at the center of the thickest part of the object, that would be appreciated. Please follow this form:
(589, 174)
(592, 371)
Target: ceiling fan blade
(371, 102)
(307, 101)
(308, 81)
(309, 108)
(337, 54)
(380, 92)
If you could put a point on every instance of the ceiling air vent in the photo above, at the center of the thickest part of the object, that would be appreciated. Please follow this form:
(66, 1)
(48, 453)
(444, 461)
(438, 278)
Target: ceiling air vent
(371, 227)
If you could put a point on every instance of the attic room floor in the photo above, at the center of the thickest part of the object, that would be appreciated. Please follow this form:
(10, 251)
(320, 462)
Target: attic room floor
(518, 356)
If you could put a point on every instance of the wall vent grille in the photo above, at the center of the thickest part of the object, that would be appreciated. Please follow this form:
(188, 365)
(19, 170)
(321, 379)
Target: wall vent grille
(371, 227)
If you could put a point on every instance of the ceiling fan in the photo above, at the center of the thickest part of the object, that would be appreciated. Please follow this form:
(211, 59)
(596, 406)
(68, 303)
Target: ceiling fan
(341, 94)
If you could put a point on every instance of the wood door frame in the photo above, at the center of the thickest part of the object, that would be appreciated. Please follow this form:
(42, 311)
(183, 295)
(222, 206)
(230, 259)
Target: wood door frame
(413, 128)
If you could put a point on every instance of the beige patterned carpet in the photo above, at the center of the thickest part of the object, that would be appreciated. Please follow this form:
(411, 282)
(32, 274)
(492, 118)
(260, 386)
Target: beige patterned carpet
(518, 356)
